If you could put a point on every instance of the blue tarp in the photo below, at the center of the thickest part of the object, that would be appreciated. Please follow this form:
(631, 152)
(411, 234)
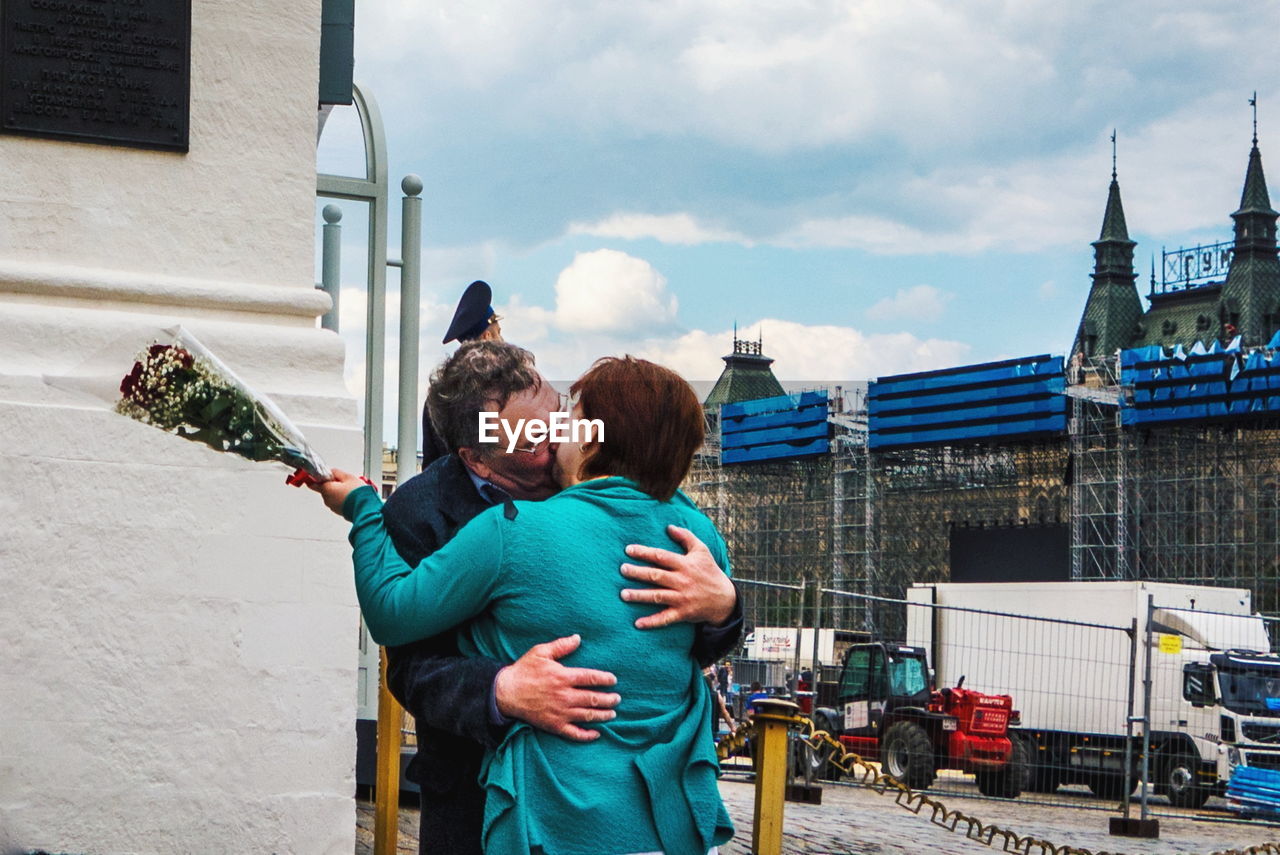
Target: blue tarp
(994, 401)
(778, 428)
(1254, 791)
(1204, 384)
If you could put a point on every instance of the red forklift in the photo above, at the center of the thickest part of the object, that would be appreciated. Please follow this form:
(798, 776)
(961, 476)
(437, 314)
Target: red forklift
(885, 708)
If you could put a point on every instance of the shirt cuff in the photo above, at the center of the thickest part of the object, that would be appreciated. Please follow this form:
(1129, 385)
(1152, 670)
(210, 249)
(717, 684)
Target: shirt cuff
(496, 718)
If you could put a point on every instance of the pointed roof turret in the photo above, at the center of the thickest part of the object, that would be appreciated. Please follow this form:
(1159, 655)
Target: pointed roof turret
(1112, 312)
(1255, 199)
(1114, 227)
(1251, 295)
(1113, 224)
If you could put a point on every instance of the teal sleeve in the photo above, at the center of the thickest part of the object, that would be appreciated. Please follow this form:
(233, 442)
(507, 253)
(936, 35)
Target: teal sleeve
(716, 546)
(402, 604)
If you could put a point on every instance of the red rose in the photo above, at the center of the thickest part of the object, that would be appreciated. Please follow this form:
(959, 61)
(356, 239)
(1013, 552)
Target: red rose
(131, 381)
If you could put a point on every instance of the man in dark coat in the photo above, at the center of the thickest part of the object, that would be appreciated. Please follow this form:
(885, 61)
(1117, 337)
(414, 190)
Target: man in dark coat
(463, 705)
(473, 320)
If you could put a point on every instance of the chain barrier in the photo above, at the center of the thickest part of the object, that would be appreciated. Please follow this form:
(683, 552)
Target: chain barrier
(864, 773)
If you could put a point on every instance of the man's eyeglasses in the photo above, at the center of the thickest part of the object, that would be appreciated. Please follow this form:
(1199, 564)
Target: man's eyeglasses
(564, 405)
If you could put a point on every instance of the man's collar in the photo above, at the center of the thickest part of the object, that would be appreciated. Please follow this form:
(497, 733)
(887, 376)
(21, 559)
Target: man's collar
(480, 483)
(491, 493)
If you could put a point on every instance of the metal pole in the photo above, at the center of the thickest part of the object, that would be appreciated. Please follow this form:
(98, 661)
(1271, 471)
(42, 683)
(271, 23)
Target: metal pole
(410, 290)
(386, 808)
(795, 666)
(1128, 727)
(371, 188)
(1122, 505)
(1076, 439)
(771, 723)
(871, 539)
(817, 630)
(331, 263)
(1146, 711)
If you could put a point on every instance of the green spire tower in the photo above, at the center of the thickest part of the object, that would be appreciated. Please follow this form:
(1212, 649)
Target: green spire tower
(1251, 295)
(1113, 310)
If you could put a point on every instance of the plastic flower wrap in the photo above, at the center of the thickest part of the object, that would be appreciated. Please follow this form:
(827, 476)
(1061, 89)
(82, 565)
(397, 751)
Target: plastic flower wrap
(181, 387)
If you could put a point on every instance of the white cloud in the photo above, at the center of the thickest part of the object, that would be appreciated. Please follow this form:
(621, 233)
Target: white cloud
(1047, 290)
(609, 303)
(680, 228)
(608, 291)
(917, 303)
(804, 352)
(940, 127)
(774, 77)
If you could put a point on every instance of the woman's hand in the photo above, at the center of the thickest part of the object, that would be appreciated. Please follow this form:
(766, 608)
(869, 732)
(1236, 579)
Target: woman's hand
(335, 492)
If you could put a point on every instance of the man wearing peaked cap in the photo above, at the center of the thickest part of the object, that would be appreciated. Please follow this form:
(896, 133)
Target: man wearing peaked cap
(473, 320)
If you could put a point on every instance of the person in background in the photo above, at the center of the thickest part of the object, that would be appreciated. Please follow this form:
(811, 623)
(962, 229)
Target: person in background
(473, 320)
(755, 693)
(719, 711)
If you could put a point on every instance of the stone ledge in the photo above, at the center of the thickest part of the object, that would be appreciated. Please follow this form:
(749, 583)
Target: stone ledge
(112, 286)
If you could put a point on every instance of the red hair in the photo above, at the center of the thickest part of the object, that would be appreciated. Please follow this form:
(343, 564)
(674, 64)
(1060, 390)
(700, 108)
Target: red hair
(653, 423)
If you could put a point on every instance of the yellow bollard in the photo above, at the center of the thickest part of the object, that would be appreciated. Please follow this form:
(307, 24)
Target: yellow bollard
(771, 720)
(386, 808)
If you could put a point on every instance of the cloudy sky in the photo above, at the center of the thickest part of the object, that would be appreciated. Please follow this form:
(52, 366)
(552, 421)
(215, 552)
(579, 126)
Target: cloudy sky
(877, 186)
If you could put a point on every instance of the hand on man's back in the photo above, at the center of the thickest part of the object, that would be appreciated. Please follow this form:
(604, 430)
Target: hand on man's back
(691, 586)
(539, 690)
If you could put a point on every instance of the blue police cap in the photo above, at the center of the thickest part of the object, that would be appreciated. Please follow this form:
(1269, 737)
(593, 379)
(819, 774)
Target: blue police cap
(472, 314)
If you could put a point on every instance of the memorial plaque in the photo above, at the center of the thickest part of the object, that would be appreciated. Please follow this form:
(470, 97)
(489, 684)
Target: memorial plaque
(103, 71)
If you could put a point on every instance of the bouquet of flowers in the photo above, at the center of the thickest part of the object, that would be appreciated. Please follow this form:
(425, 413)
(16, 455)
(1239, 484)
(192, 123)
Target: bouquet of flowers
(181, 387)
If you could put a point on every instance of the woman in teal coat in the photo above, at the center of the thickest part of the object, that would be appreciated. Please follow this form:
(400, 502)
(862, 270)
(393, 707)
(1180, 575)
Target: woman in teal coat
(648, 783)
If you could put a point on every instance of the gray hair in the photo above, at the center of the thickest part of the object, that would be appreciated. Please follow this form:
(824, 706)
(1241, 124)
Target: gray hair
(480, 375)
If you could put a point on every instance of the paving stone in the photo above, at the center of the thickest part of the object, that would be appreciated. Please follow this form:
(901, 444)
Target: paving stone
(856, 821)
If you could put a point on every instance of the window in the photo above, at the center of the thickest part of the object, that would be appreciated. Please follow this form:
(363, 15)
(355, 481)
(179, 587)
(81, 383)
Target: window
(864, 675)
(907, 677)
(1197, 683)
(857, 669)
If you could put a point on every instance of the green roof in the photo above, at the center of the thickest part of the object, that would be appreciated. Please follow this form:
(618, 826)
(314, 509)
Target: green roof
(1113, 224)
(1183, 317)
(1113, 308)
(746, 377)
(1254, 199)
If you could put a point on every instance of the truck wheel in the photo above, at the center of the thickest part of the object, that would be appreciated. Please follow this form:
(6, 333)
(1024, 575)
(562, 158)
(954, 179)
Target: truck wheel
(1043, 779)
(808, 762)
(1178, 781)
(1006, 783)
(826, 770)
(1110, 787)
(907, 754)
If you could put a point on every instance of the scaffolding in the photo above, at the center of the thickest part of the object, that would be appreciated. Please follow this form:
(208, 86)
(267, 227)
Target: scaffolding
(1188, 503)
(866, 522)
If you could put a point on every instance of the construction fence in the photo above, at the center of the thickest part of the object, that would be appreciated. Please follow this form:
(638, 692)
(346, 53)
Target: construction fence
(984, 700)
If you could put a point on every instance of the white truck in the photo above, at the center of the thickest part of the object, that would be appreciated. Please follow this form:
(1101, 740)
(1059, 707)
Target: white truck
(790, 644)
(1076, 664)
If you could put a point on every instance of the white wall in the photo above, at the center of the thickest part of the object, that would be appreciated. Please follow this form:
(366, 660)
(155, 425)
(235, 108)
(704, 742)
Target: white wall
(178, 627)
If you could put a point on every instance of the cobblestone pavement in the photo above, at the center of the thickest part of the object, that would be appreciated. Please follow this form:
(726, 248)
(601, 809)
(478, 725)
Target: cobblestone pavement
(856, 821)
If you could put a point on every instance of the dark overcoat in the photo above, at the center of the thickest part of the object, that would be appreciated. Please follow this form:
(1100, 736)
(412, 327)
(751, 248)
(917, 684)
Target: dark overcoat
(449, 695)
